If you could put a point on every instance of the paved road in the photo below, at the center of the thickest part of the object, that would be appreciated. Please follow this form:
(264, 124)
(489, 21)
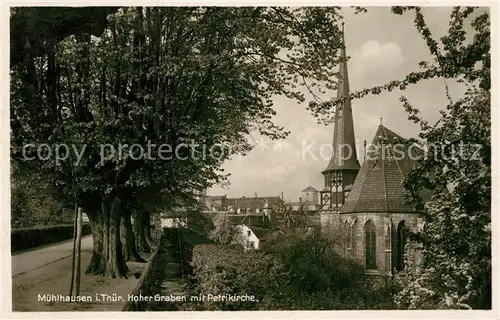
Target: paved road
(47, 270)
(32, 260)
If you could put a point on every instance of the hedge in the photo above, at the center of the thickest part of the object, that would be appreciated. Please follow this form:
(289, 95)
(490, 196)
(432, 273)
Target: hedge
(27, 238)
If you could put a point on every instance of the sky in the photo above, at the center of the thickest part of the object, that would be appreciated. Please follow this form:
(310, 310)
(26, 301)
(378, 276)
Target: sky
(382, 47)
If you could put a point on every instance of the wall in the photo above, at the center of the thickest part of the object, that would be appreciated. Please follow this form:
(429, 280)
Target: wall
(246, 239)
(385, 257)
(311, 197)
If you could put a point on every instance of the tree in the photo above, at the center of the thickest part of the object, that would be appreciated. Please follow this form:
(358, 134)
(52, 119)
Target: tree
(456, 240)
(224, 231)
(33, 204)
(161, 76)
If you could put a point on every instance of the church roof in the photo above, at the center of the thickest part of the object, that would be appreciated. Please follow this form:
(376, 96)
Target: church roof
(379, 184)
(343, 134)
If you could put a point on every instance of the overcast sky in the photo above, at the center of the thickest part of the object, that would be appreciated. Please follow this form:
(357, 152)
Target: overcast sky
(383, 47)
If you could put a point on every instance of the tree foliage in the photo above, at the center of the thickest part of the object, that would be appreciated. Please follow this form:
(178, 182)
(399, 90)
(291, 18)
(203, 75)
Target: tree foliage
(160, 75)
(224, 231)
(456, 271)
(455, 57)
(33, 204)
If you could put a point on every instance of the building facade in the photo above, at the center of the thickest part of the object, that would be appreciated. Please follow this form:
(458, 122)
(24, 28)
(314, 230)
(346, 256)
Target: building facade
(367, 203)
(310, 195)
(252, 229)
(254, 205)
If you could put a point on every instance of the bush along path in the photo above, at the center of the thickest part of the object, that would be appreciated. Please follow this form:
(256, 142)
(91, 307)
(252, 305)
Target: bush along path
(25, 239)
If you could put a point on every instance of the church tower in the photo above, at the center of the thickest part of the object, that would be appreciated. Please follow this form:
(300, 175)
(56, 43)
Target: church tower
(344, 165)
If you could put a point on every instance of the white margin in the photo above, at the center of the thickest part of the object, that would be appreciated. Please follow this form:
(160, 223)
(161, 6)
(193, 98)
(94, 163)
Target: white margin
(5, 268)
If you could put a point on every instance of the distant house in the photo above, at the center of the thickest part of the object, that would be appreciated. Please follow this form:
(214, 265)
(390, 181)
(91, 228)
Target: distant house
(252, 230)
(308, 203)
(310, 195)
(215, 203)
(254, 205)
(304, 207)
(242, 205)
(169, 222)
(218, 202)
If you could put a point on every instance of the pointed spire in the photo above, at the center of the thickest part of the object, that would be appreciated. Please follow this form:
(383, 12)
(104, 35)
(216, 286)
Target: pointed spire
(343, 88)
(343, 136)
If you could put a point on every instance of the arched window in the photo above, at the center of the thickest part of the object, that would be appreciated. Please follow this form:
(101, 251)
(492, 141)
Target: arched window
(370, 246)
(344, 238)
(387, 237)
(402, 234)
(349, 236)
(353, 235)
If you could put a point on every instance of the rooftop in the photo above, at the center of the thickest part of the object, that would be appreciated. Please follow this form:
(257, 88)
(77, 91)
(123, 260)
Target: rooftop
(310, 188)
(379, 184)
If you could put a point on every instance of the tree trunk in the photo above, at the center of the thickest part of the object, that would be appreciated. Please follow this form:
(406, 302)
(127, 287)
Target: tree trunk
(78, 251)
(97, 262)
(130, 252)
(147, 231)
(142, 244)
(107, 258)
(115, 264)
(74, 250)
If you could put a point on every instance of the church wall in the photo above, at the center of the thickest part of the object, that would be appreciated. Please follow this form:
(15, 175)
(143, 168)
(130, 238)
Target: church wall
(329, 220)
(385, 257)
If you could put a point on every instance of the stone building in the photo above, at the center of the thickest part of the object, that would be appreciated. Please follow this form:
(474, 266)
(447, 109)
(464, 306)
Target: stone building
(310, 195)
(367, 203)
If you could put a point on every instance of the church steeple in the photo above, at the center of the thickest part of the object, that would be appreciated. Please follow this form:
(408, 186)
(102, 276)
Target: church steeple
(343, 88)
(343, 135)
(344, 165)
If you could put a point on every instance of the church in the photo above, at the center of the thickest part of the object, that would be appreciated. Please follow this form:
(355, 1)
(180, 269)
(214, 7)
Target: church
(367, 203)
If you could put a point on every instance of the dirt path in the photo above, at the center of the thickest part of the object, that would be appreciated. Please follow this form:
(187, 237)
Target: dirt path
(34, 259)
(48, 271)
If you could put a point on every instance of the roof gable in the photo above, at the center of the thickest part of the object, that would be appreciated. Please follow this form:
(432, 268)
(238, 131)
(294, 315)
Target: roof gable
(379, 184)
(260, 232)
(310, 188)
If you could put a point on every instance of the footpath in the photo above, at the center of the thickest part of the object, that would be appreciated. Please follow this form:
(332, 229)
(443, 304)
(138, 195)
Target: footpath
(47, 271)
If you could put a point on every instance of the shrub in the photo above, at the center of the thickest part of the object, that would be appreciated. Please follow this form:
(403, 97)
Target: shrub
(223, 270)
(27, 238)
(297, 270)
